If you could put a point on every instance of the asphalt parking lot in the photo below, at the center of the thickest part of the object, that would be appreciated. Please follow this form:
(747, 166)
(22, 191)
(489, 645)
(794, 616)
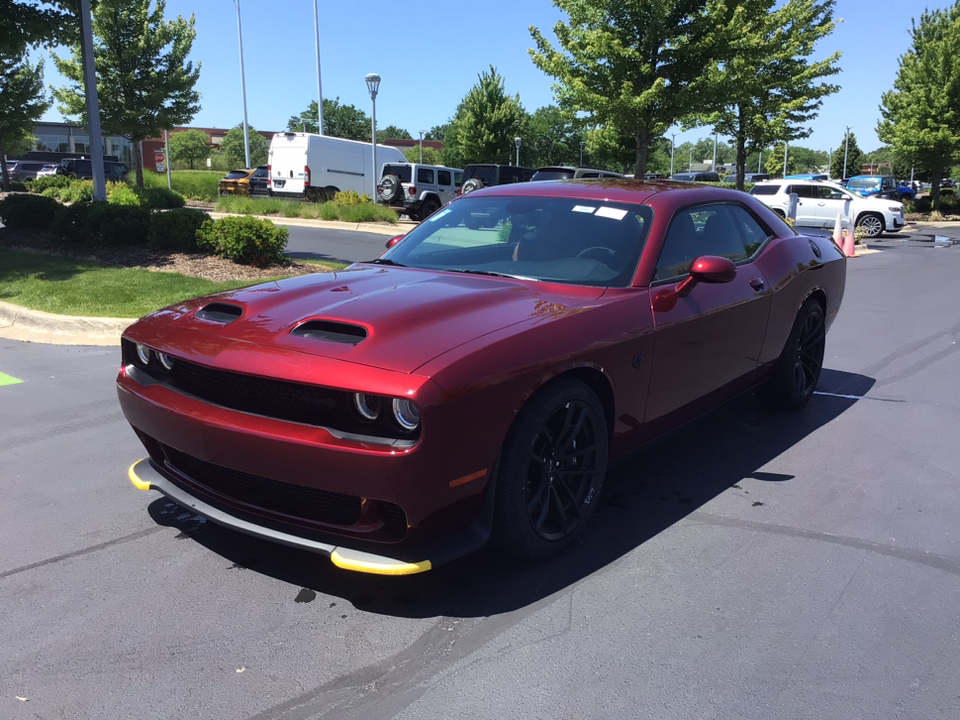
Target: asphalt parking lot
(759, 565)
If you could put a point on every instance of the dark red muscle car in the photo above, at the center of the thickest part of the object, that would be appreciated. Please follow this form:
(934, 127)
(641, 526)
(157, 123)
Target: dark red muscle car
(476, 381)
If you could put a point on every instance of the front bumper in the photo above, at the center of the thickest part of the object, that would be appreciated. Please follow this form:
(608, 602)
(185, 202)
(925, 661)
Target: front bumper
(147, 475)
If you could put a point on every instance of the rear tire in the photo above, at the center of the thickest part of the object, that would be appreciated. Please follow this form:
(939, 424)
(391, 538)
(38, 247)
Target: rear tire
(550, 471)
(471, 185)
(798, 370)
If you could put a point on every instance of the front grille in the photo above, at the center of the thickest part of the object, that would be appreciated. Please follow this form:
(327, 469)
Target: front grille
(297, 501)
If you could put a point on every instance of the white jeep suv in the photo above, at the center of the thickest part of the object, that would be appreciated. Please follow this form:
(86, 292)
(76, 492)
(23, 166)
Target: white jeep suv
(819, 202)
(416, 190)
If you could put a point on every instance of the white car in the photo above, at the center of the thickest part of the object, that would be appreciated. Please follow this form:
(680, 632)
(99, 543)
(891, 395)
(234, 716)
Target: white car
(819, 202)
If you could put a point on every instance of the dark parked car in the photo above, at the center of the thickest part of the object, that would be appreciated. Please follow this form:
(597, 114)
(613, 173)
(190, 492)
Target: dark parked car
(474, 385)
(755, 177)
(486, 175)
(696, 177)
(83, 169)
(22, 170)
(248, 181)
(565, 172)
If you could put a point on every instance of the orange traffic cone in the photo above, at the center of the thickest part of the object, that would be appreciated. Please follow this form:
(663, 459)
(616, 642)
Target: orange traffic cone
(838, 232)
(849, 244)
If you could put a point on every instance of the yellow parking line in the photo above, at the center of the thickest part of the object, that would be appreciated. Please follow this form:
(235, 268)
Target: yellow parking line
(8, 379)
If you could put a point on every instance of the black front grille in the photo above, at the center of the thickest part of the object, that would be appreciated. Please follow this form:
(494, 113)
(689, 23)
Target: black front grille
(310, 504)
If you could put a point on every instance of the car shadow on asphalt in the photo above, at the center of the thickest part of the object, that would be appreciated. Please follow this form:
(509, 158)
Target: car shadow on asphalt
(640, 499)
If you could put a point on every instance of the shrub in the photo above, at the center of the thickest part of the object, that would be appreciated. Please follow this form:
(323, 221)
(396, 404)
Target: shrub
(52, 192)
(160, 198)
(351, 197)
(122, 195)
(18, 187)
(245, 240)
(329, 211)
(176, 229)
(922, 205)
(103, 224)
(368, 213)
(41, 184)
(28, 211)
(78, 191)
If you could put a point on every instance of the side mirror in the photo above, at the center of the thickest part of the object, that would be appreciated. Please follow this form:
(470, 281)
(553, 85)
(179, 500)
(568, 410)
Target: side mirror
(393, 241)
(707, 269)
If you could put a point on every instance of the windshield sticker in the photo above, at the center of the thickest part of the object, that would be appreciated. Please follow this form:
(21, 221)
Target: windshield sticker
(583, 208)
(436, 216)
(609, 212)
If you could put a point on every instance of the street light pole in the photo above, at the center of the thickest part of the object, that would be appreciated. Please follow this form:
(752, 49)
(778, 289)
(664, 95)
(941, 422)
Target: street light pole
(421, 147)
(373, 86)
(316, 31)
(243, 90)
(582, 143)
(786, 154)
(846, 149)
(518, 141)
(759, 161)
(713, 168)
(93, 104)
(673, 150)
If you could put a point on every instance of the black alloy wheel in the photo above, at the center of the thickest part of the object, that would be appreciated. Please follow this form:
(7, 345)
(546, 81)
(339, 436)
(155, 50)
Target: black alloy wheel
(428, 208)
(801, 364)
(551, 471)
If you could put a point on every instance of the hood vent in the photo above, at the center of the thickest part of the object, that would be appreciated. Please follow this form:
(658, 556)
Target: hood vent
(331, 331)
(220, 312)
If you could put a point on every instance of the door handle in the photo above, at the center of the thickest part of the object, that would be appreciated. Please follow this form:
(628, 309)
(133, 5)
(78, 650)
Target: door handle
(757, 284)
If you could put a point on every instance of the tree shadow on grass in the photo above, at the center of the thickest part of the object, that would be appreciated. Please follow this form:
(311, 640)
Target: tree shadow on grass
(640, 500)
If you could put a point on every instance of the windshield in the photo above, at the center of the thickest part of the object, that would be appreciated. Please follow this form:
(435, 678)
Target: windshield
(236, 174)
(566, 240)
(864, 183)
(553, 174)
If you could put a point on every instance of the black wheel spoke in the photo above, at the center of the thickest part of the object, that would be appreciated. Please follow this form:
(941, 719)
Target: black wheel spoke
(561, 514)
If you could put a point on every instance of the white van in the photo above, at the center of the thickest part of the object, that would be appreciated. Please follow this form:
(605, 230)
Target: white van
(304, 164)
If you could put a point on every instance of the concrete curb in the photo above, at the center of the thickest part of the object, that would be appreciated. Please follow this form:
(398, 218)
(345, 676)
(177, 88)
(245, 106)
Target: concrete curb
(402, 226)
(19, 323)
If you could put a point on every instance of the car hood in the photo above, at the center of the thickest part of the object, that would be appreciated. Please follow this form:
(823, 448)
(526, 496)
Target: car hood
(391, 318)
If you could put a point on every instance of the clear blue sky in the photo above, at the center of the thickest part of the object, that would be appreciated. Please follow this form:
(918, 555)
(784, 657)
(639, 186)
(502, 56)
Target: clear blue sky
(429, 54)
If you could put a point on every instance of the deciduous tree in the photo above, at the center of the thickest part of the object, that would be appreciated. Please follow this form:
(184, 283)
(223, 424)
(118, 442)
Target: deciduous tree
(144, 80)
(920, 117)
(22, 102)
(488, 120)
(638, 65)
(233, 149)
(392, 132)
(551, 136)
(189, 146)
(342, 121)
(28, 23)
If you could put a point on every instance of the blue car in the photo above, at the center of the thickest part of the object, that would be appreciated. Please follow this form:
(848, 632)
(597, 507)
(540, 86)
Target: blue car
(879, 186)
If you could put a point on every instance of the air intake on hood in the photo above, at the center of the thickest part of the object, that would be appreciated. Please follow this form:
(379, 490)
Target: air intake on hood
(220, 312)
(331, 331)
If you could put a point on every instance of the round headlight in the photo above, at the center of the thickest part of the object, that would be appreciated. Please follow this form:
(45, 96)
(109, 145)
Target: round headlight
(165, 360)
(407, 414)
(367, 405)
(143, 353)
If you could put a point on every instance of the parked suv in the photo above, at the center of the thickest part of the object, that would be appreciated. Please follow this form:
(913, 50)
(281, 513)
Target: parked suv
(20, 170)
(485, 175)
(819, 202)
(565, 172)
(696, 177)
(83, 169)
(419, 190)
(884, 186)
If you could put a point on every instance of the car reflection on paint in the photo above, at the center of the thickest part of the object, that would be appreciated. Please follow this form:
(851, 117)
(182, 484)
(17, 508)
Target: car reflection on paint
(475, 382)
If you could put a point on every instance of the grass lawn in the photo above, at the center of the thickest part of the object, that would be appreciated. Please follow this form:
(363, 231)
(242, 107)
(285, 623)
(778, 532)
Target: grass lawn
(71, 287)
(192, 184)
(364, 212)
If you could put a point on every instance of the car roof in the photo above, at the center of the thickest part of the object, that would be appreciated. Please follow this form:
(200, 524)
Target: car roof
(612, 189)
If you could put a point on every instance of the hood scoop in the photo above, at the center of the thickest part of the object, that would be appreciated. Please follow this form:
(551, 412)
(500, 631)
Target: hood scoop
(331, 331)
(220, 312)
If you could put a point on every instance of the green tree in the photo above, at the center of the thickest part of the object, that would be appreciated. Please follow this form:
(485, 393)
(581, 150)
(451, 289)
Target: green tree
(920, 118)
(342, 121)
(488, 121)
(854, 158)
(233, 149)
(189, 146)
(144, 80)
(638, 65)
(392, 132)
(767, 87)
(28, 23)
(22, 102)
(430, 155)
(551, 136)
(437, 132)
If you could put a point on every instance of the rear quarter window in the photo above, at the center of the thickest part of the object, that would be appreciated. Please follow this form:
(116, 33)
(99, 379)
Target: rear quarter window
(764, 189)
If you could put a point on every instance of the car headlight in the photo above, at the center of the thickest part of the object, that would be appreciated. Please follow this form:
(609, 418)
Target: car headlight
(896, 208)
(143, 353)
(406, 413)
(367, 405)
(165, 361)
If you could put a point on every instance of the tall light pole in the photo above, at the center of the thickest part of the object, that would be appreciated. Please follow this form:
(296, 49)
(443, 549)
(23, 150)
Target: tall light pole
(373, 86)
(93, 104)
(243, 90)
(690, 161)
(518, 141)
(713, 168)
(421, 147)
(759, 161)
(829, 160)
(582, 143)
(673, 149)
(786, 154)
(846, 149)
(316, 33)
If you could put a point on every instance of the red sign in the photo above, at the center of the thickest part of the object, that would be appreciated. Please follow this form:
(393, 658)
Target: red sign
(158, 157)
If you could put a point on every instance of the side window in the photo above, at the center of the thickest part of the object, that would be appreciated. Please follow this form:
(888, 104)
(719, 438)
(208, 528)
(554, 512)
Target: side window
(425, 175)
(443, 177)
(708, 230)
(508, 175)
(458, 179)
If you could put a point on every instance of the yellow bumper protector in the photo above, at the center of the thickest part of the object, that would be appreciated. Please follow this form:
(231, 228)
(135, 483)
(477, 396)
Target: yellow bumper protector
(363, 562)
(137, 482)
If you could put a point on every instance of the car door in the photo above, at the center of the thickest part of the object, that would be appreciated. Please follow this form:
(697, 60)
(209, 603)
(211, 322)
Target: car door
(707, 344)
(806, 204)
(832, 201)
(445, 187)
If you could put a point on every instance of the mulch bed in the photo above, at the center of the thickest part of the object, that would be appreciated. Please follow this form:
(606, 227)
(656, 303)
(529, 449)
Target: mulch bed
(138, 256)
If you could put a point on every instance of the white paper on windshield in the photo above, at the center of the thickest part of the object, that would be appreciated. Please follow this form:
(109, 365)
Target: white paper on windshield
(583, 208)
(609, 212)
(438, 215)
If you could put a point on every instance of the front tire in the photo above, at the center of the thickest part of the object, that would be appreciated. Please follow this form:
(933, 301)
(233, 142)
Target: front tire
(550, 471)
(428, 208)
(799, 368)
(871, 223)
